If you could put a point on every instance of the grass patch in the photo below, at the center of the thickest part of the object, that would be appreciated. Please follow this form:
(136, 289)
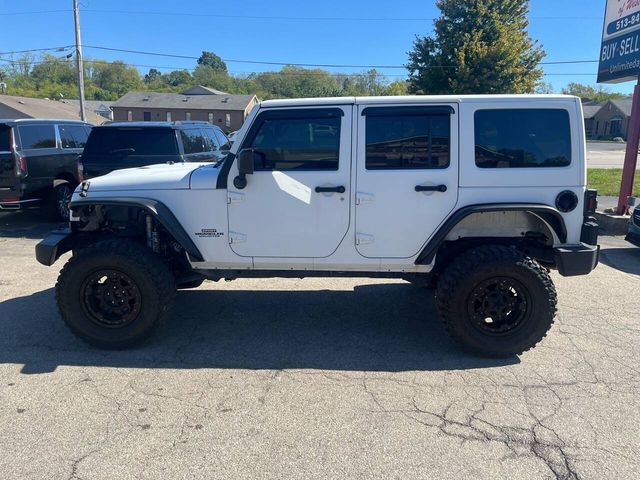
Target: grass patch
(607, 181)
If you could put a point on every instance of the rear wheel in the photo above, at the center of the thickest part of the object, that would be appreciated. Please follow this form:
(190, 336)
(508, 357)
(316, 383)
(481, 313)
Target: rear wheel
(496, 301)
(113, 294)
(62, 194)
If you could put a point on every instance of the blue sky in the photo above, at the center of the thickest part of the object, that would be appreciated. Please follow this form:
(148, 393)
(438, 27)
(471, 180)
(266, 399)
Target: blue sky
(568, 30)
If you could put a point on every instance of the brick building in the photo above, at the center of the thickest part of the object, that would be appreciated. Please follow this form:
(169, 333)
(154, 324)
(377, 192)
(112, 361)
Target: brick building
(196, 103)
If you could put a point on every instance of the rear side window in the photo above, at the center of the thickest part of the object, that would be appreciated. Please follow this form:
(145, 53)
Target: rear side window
(222, 140)
(212, 140)
(298, 144)
(522, 138)
(37, 136)
(5, 138)
(73, 136)
(396, 142)
(193, 141)
(107, 141)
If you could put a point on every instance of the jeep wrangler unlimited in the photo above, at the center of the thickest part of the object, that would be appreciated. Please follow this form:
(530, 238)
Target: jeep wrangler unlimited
(479, 196)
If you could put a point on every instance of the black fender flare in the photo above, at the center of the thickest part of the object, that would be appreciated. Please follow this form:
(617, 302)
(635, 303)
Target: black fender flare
(157, 210)
(549, 215)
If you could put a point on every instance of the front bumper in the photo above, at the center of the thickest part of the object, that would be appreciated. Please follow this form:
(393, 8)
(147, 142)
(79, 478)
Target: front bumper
(576, 260)
(54, 245)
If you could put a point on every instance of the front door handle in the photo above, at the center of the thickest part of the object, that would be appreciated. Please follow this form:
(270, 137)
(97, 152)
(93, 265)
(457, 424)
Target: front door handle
(339, 189)
(431, 188)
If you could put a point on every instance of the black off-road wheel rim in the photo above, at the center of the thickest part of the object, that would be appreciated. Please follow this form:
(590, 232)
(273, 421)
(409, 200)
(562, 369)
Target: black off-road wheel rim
(62, 199)
(110, 298)
(499, 306)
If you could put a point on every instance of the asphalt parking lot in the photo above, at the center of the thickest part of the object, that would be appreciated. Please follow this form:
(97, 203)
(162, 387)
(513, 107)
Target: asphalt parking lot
(606, 155)
(317, 378)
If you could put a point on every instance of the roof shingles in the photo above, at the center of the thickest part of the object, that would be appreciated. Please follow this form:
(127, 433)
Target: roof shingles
(44, 108)
(178, 100)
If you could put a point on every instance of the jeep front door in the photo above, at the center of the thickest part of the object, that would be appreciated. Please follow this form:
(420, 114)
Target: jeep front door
(296, 202)
(406, 177)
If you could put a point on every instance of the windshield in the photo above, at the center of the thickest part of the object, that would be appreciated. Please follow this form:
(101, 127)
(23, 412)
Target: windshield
(130, 141)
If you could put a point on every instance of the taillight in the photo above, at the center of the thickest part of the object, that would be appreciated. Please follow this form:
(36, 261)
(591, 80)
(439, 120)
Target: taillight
(20, 167)
(590, 201)
(80, 171)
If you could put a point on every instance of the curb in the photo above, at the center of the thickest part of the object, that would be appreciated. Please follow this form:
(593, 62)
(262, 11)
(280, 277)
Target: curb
(611, 224)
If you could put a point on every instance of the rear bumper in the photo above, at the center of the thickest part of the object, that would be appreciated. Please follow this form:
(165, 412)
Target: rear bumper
(576, 260)
(53, 246)
(18, 204)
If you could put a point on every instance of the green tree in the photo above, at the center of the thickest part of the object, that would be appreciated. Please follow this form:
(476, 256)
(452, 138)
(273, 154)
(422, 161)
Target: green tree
(178, 78)
(543, 87)
(210, 77)
(51, 69)
(292, 81)
(117, 78)
(152, 76)
(399, 87)
(212, 60)
(371, 82)
(598, 93)
(479, 46)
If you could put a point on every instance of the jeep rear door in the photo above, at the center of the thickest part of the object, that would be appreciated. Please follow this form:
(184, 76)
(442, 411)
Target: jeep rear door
(406, 176)
(296, 203)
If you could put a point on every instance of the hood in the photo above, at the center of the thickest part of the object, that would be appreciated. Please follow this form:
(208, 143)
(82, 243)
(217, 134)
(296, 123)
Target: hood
(153, 177)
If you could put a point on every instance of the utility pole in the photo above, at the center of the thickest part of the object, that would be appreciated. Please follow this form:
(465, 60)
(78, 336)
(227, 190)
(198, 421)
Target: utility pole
(76, 18)
(631, 153)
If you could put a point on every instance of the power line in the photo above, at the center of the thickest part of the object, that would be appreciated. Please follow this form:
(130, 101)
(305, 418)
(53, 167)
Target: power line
(62, 48)
(296, 18)
(273, 17)
(322, 65)
(280, 17)
(257, 62)
(35, 12)
(565, 62)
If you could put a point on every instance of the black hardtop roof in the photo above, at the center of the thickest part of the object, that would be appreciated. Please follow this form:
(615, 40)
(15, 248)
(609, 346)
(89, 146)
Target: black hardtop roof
(40, 121)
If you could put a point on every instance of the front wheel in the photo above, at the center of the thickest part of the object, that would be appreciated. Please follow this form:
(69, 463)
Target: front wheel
(114, 293)
(496, 301)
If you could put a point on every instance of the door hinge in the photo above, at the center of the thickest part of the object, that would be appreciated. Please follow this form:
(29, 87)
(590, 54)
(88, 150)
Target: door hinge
(364, 239)
(235, 197)
(235, 237)
(362, 197)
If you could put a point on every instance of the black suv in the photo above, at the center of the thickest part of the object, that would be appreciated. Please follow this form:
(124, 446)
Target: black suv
(39, 162)
(120, 145)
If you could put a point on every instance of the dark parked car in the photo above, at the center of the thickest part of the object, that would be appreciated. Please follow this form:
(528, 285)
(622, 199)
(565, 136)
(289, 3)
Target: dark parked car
(136, 144)
(39, 162)
(633, 236)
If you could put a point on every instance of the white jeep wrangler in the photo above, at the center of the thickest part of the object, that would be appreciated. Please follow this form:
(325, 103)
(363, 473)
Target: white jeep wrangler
(477, 196)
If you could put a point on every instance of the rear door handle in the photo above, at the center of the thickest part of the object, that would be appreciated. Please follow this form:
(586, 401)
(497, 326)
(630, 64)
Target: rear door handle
(339, 189)
(431, 188)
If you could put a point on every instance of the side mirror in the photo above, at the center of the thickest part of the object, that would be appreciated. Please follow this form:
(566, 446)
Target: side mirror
(245, 161)
(245, 167)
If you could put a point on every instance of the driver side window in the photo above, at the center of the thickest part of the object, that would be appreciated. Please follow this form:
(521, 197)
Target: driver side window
(297, 144)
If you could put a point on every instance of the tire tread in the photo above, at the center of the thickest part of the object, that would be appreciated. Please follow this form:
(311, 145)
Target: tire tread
(157, 272)
(477, 257)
